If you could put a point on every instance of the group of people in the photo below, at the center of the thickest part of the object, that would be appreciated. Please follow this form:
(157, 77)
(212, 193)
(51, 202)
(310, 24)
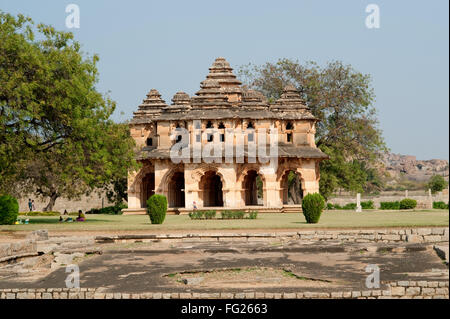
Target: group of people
(80, 218)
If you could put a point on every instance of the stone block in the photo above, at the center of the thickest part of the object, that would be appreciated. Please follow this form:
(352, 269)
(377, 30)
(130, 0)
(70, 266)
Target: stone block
(356, 294)
(412, 291)
(414, 238)
(398, 291)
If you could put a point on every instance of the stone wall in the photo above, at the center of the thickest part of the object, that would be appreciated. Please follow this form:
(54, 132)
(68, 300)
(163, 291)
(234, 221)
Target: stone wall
(423, 200)
(395, 290)
(85, 203)
(413, 235)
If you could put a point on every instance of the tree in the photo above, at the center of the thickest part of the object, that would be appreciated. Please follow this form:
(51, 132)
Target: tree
(70, 170)
(437, 183)
(341, 98)
(55, 129)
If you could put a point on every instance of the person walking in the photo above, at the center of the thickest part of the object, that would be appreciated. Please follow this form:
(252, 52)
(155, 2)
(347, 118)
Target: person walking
(30, 204)
(33, 208)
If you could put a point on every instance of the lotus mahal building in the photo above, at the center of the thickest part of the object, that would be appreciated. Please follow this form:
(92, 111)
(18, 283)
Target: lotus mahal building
(222, 104)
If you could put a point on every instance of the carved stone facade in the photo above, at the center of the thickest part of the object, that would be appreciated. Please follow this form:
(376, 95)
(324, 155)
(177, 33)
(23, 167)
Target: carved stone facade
(222, 106)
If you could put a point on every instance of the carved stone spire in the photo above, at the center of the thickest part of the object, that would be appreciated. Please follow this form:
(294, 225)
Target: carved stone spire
(255, 100)
(290, 100)
(151, 106)
(229, 84)
(181, 102)
(210, 95)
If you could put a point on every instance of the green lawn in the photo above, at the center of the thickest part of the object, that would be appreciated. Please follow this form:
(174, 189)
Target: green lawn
(329, 219)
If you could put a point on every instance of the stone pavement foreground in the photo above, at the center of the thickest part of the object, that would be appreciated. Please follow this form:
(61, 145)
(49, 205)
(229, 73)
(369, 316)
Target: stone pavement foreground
(316, 267)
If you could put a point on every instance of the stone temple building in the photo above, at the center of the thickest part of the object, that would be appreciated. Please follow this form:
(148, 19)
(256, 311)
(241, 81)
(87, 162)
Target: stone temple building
(221, 106)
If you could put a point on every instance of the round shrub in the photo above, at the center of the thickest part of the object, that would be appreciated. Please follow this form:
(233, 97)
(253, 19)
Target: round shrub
(408, 203)
(157, 208)
(312, 205)
(440, 205)
(9, 210)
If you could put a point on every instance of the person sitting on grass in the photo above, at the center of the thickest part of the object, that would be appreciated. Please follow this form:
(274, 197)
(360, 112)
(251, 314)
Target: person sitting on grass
(81, 217)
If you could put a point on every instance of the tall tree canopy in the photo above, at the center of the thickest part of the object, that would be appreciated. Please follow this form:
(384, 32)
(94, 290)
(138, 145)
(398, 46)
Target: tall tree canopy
(56, 134)
(342, 99)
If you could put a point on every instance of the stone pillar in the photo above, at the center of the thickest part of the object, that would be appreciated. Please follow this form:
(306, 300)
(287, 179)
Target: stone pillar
(358, 203)
(229, 189)
(406, 193)
(161, 169)
(190, 188)
(310, 179)
(134, 191)
(430, 199)
(272, 192)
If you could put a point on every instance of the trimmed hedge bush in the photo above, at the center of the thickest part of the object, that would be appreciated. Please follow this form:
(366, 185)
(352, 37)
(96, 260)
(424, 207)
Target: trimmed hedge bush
(109, 210)
(41, 213)
(390, 205)
(440, 205)
(232, 215)
(9, 210)
(349, 206)
(211, 214)
(312, 205)
(368, 205)
(196, 215)
(408, 203)
(157, 208)
(253, 215)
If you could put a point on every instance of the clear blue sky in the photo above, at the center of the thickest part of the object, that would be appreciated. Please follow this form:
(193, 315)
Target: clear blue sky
(169, 45)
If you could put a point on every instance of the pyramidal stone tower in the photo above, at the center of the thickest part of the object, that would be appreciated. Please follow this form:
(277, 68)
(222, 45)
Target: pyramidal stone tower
(221, 106)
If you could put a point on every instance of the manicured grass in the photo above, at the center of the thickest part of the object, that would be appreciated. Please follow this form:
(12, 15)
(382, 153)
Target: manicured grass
(329, 219)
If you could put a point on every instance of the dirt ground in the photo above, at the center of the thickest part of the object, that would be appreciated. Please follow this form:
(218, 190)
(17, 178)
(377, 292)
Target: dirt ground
(242, 266)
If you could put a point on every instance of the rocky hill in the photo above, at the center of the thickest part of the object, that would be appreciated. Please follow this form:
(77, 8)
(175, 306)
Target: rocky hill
(407, 166)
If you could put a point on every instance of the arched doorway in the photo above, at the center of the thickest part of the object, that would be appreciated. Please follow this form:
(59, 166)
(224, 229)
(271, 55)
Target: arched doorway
(176, 190)
(147, 188)
(253, 189)
(291, 188)
(211, 188)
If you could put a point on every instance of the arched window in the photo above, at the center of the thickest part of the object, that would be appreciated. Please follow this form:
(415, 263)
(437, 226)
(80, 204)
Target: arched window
(209, 124)
(250, 125)
(289, 137)
(178, 133)
(221, 125)
(149, 141)
(289, 126)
